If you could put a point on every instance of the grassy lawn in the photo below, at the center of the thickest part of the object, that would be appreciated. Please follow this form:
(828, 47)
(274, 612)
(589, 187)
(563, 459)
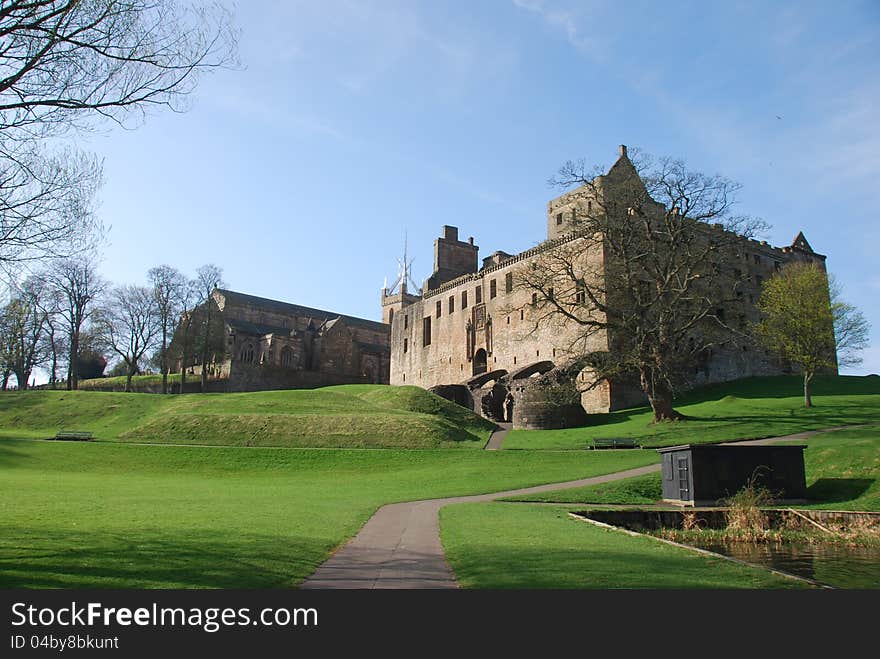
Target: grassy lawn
(751, 408)
(116, 515)
(347, 416)
(842, 469)
(503, 545)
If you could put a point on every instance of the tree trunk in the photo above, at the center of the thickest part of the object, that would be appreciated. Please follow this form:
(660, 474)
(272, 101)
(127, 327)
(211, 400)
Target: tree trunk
(660, 399)
(164, 359)
(128, 375)
(808, 400)
(6, 374)
(72, 374)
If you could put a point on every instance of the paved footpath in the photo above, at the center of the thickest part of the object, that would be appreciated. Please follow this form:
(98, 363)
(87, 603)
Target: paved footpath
(399, 546)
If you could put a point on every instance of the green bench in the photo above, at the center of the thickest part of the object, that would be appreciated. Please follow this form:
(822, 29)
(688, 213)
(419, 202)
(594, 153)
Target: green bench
(615, 443)
(73, 435)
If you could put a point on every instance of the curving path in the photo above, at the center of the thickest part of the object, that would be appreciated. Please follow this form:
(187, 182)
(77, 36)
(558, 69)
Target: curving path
(399, 546)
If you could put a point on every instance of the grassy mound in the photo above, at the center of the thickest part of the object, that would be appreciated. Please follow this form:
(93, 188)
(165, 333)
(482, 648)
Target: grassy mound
(361, 416)
(744, 409)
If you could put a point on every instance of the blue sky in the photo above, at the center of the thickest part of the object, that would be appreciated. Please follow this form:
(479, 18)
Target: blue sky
(351, 124)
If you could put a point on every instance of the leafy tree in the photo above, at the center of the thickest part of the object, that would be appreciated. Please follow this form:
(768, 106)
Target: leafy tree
(805, 322)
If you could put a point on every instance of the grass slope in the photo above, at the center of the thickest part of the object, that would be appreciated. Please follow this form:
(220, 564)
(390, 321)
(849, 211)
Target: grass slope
(503, 545)
(751, 408)
(115, 515)
(842, 469)
(363, 416)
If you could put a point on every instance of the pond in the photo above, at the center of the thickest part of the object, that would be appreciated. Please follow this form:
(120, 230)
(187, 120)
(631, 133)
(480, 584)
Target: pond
(834, 565)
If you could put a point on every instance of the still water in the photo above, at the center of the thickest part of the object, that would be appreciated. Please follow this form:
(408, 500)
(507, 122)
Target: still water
(841, 567)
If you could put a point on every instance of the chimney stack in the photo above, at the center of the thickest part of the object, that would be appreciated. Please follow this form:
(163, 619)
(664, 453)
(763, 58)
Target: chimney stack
(623, 150)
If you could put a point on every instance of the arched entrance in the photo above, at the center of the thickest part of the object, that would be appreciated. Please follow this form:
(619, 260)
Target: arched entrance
(480, 361)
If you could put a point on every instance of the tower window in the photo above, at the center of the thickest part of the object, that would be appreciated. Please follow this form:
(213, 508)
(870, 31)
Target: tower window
(464, 299)
(406, 321)
(451, 303)
(508, 282)
(478, 295)
(558, 219)
(439, 308)
(493, 289)
(405, 346)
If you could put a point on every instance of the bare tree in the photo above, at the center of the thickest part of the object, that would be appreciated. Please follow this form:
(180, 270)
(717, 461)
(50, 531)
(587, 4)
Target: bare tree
(208, 278)
(78, 284)
(46, 203)
(129, 325)
(169, 291)
(71, 64)
(641, 273)
(183, 342)
(67, 63)
(25, 323)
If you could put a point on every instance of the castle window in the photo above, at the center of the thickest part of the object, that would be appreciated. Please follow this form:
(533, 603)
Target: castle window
(451, 303)
(478, 295)
(464, 299)
(286, 357)
(757, 260)
(439, 308)
(508, 282)
(390, 316)
(514, 360)
(521, 314)
(426, 331)
(580, 296)
(558, 219)
(493, 289)
(550, 293)
(405, 345)
(534, 299)
(508, 320)
(406, 321)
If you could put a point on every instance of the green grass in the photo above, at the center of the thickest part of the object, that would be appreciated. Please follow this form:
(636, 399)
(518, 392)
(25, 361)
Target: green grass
(503, 545)
(115, 515)
(751, 408)
(842, 470)
(363, 416)
(638, 490)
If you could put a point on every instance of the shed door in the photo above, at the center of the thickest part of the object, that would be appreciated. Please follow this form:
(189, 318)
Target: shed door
(684, 491)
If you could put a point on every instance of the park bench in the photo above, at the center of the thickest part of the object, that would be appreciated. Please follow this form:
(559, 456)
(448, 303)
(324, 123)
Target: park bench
(614, 443)
(74, 435)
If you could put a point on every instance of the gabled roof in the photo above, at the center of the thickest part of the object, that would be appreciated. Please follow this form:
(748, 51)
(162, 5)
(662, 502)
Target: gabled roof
(800, 242)
(235, 298)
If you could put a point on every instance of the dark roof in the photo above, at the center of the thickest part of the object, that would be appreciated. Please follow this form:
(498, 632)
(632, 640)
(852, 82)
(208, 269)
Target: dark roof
(300, 311)
(731, 445)
(255, 328)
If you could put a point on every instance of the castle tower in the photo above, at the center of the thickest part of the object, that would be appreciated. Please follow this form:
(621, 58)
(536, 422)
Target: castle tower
(398, 296)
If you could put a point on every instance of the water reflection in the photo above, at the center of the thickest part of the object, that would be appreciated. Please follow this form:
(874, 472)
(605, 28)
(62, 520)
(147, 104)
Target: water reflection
(842, 567)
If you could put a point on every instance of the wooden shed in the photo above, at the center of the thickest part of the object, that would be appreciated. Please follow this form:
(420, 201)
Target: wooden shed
(702, 474)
